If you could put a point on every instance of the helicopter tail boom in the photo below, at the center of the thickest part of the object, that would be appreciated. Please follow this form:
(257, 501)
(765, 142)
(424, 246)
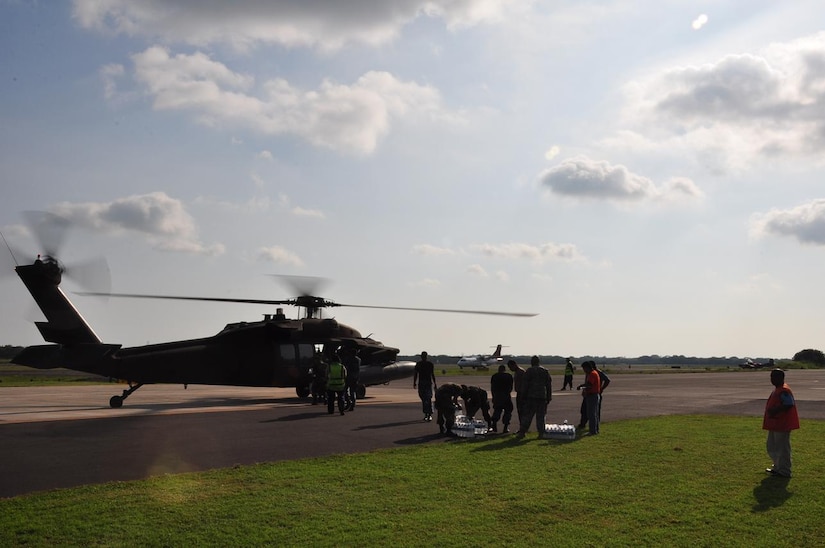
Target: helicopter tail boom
(64, 323)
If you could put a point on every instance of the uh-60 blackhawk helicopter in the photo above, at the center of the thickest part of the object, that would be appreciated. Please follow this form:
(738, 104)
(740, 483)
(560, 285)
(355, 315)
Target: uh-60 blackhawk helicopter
(272, 352)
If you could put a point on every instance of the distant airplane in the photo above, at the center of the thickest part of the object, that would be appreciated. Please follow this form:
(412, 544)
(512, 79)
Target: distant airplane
(481, 361)
(750, 364)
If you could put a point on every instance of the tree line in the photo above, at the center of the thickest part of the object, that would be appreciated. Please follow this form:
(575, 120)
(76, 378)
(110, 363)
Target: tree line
(809, 355)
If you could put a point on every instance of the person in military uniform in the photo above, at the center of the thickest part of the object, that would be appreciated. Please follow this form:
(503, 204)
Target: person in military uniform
(501, 384)
(446, 401)
(424, 376)
(319, 381)
(518, 375)
(336, 381)
(475, 398)
(537, 391)
(568, 374)
(350, 359)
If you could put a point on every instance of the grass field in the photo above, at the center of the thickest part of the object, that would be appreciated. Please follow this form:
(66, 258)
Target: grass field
(666, 481)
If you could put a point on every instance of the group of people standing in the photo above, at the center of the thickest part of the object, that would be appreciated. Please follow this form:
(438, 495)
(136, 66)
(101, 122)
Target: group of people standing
(335, 379)
(533, 388)
(534, 391)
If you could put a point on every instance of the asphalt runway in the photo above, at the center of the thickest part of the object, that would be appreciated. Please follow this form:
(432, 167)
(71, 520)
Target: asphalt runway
(65, 436)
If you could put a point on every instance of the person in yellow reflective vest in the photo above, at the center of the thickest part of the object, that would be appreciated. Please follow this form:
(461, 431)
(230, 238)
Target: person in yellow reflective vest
(336, 381)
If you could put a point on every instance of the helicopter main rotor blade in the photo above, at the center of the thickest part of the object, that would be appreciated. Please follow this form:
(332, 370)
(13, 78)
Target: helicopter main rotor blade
(450, 310)
(315, 302)
(180, 298)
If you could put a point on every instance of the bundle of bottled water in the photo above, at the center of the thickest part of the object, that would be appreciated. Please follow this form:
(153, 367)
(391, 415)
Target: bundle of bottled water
(560, 431)
(465, 427)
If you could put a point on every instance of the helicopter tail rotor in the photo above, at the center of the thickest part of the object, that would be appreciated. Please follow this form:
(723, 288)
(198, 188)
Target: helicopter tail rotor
(51, 231)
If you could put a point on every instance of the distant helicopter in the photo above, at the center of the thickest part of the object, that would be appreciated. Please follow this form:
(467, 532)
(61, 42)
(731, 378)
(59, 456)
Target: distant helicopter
(273, 352)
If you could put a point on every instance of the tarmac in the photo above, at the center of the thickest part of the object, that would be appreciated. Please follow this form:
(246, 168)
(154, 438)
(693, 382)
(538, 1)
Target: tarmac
(65, 436)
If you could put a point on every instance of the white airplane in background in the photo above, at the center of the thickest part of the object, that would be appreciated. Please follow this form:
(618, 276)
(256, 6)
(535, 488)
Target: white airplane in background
(481, 362)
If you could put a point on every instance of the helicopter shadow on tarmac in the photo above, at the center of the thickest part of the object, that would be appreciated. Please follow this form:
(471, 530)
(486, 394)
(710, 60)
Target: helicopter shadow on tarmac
(209, 403)
(318, 411)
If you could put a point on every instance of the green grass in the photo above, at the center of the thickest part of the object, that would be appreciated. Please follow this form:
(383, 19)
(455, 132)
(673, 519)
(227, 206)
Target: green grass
(12, 375)
(667, 481)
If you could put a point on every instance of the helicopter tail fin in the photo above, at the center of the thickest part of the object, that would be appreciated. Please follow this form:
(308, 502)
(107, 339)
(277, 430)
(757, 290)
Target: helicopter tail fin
(64, 323)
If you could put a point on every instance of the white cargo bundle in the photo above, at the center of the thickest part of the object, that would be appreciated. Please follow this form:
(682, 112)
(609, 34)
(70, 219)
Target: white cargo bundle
(560, 431)
(466, 427)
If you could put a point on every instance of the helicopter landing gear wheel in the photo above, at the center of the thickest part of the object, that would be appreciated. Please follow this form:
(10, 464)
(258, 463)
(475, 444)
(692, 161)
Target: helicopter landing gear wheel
(360, 391)
(302, 391)
(116, 402)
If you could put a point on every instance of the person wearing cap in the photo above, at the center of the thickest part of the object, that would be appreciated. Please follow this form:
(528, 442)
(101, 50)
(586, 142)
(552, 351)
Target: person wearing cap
(537, 391)
(350, 359)
(501, 385)
(336, 381)
(424, 377)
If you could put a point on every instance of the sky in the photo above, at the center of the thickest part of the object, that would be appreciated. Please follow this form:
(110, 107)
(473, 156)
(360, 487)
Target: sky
(647, 176)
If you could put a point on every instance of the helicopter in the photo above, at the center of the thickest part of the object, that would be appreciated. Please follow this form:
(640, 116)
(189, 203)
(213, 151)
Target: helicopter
(273, 352)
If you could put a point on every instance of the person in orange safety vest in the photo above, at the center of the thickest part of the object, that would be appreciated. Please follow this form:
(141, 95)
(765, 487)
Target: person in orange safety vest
(780, 418)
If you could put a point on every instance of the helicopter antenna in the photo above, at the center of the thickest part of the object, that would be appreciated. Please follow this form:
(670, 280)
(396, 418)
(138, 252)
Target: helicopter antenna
(9, 248)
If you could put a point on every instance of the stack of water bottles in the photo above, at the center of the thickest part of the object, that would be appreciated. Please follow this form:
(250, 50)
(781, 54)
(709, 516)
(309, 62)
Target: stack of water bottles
(560, 431)
(465, 427)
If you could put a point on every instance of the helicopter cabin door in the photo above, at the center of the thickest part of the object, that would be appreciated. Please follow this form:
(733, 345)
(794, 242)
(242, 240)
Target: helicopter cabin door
(295, 364)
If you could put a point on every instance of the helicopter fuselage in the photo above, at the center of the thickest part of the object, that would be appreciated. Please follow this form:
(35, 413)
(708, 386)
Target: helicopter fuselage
(276, 351)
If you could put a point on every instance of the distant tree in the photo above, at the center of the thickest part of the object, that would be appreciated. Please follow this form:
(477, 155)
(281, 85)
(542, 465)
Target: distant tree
(8, 351)
(810, 355)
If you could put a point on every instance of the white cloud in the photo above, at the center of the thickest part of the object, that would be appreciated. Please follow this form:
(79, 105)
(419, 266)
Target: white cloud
(535, 253)
(258, 181)
(278, 254)
(502, 276)
(346, 118)
(426, 282)
(681, 188)
(427, 249)
(699, 22)
(477, 270)
(162, 218)
(552, 152)
(806, 223)
(740, 108)
(265, 155)
(303, 212)
(582, 177)
(324, 24)
(109, 74)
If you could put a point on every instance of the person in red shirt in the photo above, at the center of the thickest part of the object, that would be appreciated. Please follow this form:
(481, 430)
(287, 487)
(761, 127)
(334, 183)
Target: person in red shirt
(592, 389)
(780, 418)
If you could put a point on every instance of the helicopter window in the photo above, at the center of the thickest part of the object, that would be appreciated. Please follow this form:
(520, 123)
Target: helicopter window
(306, 352)
(306, 357)
(298, 358)
(288, 352)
